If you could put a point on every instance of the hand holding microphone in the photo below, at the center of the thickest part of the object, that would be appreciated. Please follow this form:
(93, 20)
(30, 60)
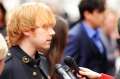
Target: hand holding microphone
(82, 73)
(89, 73)
(69, 61)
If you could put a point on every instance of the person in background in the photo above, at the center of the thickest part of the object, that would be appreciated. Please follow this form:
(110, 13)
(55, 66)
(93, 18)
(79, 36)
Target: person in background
(95, 75)
(3, 52)
(117, 63)
(2, 20)
(56, 51)
(108, 31)
(84, 42)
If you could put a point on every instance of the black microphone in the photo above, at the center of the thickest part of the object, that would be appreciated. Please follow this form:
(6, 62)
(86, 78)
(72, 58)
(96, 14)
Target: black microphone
(62, 71)
(69, 61)
(69, 72)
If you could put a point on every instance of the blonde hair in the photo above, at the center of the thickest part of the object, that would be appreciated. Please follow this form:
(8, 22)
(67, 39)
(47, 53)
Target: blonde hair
(111, 12)
(3, 47)
(24, 18)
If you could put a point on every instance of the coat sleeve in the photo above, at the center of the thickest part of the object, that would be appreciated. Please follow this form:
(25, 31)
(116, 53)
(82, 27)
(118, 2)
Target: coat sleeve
(72, 46)
(75, 50)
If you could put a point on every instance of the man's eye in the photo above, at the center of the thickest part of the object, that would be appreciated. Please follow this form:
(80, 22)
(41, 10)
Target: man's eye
(45, 27)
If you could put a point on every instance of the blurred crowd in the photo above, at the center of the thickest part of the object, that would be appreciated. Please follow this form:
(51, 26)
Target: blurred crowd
(89, 30)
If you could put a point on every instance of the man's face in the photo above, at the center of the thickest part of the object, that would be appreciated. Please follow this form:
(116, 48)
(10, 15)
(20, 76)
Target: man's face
(96, 18)
(42, 36)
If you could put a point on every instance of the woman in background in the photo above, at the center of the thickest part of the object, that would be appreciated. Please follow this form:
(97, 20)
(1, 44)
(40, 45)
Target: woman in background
(56, 51)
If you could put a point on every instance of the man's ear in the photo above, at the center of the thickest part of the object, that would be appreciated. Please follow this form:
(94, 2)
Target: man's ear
(87, 15)
(27, 33)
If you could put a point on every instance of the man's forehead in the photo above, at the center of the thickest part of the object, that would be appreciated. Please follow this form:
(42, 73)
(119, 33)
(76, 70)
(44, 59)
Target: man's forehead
(44, 23)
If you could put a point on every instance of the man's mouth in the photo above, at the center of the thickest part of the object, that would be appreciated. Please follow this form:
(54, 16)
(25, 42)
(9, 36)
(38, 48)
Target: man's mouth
(49, 41)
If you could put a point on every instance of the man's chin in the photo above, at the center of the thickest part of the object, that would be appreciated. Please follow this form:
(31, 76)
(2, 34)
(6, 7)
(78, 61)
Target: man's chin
(47, 47)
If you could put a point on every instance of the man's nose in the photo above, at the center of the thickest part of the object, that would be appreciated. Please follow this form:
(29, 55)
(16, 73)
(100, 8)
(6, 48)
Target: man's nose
(52, 32)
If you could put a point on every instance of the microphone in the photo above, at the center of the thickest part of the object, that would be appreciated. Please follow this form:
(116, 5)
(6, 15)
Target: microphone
(62, 71)
(68, 70)
(69, 61)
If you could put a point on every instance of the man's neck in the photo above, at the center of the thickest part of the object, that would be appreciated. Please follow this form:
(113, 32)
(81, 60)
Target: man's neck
(28, 49)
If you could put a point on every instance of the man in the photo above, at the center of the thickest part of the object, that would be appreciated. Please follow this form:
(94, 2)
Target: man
(30, 30)
(3, 52)
(84, 42)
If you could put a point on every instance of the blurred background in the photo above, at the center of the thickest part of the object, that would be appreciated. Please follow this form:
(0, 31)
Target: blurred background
(62, 6)
(68, 9)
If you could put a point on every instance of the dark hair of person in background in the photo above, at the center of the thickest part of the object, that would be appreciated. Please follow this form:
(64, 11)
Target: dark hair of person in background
(117, 76)
(2, 19)
(118, 40)
(90, 6)
(119, 26)
(3, 11)
(58, 44)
